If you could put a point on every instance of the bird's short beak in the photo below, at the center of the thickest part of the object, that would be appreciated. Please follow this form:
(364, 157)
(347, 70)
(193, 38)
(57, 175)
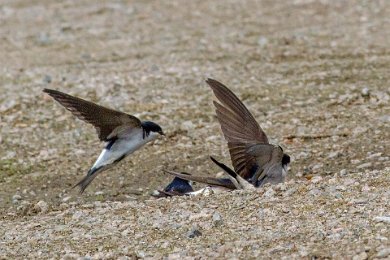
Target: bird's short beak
(162, 133)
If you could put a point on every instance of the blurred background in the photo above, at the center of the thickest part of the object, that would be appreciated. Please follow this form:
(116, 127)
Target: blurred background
(315, 74)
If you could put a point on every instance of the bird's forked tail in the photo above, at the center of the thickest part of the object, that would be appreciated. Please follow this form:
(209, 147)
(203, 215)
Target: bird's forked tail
(84, 183)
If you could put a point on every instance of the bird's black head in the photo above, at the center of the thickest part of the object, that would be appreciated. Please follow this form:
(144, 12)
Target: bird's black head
(285, 159)
(149, 126)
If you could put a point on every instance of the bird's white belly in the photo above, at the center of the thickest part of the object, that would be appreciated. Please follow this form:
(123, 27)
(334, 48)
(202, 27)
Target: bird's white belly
(122, 147)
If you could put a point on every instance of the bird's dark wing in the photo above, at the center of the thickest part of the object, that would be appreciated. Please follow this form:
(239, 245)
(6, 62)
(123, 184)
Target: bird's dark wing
(108, 123)
(226, 183)
(239, 128)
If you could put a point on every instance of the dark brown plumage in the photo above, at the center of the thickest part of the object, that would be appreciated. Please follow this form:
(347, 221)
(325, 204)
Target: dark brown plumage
(123, 133)
(255, 161)
(239, 127)
(108, 122)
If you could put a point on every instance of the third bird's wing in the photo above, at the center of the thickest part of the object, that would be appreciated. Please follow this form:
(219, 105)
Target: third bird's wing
(220, 182)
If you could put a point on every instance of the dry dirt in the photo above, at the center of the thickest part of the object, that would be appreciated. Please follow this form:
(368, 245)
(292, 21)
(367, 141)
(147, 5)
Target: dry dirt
(315, 74)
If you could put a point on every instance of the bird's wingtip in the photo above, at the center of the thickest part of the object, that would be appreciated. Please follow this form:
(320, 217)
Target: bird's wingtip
(214, 84)
(173, 172)
(50, 91)
(167, 171)
(224, 167)
(214, 160)
(210, 81)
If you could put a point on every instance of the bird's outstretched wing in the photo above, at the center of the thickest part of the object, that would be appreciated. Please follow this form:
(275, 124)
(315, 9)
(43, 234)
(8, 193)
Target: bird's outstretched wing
(239, 127)
(220, 182)
(108, 123)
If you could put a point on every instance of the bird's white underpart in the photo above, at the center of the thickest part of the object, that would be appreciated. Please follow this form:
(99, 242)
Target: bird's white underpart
(123, 146)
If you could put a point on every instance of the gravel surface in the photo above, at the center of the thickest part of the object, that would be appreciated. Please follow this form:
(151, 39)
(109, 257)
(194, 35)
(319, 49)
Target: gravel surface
(315, 74)
(331, 217)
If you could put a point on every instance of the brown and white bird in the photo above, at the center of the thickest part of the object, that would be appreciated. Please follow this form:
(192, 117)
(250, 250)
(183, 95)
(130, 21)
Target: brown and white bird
(255, 161)
(123, 133)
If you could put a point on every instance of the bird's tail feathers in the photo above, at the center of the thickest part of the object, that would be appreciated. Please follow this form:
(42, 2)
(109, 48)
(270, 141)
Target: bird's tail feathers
(237, 180)
(224, 167)
(84, 183)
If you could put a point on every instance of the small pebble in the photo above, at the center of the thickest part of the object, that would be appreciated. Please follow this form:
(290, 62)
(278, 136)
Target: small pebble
(383, 253)
(262, 41)
(333, 155)
(64, 206)
(365, 188)
(194, 232)
(47, 79)
(364, 165)
(41, 207)
(343, 172)
(16, 198)
(65, 199)
(317, 167)
(269, 193)
(217, 219)
(43, 38)
(77, 215)
(316, 179)
(187, 125)
(71, 256)
(385, 219)
(315, 192)
(349, 181)
(290, 192)
(365, 92)
(361, 256)
(281, 187)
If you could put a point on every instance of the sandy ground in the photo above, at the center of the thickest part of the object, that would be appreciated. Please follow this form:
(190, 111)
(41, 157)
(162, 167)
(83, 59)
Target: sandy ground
(314, 73)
